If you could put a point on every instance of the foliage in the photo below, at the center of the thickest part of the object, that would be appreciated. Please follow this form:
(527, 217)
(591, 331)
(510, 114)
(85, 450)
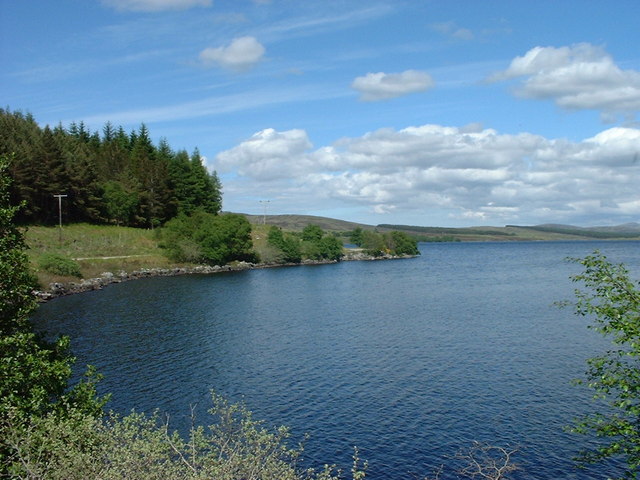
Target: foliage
(116, 177)
(330, 247)
(401, 244)
(59, 265)
(206, 238)
(288, 245)
(355, 236)
(234, 446)
(613, 301)
(119, 204)
(16, 282)
(312, 243)
(312, 233)
(316, 245)
(378, 244)
(373, 243)
(34, 373)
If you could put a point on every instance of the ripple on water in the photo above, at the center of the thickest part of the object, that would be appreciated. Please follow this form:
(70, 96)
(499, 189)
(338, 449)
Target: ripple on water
(408, 360)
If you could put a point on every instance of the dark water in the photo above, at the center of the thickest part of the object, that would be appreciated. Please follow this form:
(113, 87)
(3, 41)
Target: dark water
(410, 360)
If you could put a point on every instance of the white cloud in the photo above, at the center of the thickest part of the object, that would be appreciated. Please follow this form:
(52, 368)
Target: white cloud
(269, 155)
(240, 55)
(155, 5)
(382, 86)
(579, 77)
(465, 173)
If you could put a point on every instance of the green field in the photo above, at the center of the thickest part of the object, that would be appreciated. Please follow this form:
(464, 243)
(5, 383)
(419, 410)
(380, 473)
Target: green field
(96, 248)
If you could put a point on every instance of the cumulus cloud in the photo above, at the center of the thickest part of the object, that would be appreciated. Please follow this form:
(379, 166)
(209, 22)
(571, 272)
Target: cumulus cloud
(382, 86)
(461, 172)
(268, 155)
(240, 55)
(155, 5)
(578, 77)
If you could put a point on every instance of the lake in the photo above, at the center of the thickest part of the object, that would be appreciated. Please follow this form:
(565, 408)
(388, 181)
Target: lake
(410, 359)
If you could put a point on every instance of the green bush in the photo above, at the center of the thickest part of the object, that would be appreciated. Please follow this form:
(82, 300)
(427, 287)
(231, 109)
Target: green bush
(79, 446)
(59, 265)
(402, 244)
(287, 244)
(378, 244)
(316, 245)
(206, 238)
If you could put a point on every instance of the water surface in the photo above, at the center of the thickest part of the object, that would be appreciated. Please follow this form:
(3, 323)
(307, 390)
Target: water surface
(410, 360)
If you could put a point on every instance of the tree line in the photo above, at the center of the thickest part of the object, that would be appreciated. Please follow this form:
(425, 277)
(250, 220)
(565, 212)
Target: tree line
(111, 176)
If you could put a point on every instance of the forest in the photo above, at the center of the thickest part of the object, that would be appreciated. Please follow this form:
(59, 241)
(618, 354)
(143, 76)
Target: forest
(109, 177)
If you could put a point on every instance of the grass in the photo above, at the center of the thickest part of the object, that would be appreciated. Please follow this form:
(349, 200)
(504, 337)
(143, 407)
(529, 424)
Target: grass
(92, 246)
(83, 240)
(102, 248)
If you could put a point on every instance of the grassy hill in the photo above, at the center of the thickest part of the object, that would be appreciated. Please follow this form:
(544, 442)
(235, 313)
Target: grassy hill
(296, 223)
(521, 233)
(469, 234)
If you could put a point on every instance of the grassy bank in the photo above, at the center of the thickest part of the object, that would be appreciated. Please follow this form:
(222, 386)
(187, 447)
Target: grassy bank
(96, 249)
(102, 248)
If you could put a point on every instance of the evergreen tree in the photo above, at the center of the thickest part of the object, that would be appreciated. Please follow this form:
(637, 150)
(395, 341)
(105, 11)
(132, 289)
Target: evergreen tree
(180, 179)
(56, 179)
(84, 201)
(81, 163)
(118, 203)
(20, 137)
(206, 187)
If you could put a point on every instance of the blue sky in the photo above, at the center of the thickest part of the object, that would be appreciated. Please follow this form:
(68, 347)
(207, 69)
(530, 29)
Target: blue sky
(448, 113)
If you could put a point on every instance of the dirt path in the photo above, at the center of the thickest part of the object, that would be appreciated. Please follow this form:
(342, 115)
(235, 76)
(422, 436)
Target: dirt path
(111, 258)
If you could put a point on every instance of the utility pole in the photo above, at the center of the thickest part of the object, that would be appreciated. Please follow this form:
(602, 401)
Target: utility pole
(264, 210)
(60, 197)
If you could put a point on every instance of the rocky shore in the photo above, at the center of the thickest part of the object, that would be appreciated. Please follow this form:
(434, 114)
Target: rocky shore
(107, 278)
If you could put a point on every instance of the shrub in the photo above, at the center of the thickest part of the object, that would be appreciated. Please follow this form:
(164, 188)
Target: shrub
(206, 238)
(59, 265)
(287, 244)
(234, 446)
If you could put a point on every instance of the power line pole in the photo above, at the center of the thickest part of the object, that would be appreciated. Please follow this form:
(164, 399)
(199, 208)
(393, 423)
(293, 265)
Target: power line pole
(60, 197)
(264, 210)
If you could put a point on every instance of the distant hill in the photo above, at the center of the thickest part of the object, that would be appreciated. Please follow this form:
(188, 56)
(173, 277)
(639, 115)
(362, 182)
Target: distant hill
(545, 232)
(627, 230)
(297, 223)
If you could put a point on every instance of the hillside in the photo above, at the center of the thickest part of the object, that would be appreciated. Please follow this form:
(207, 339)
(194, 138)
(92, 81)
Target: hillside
(547, 232)
(522, 233)
(296, 223)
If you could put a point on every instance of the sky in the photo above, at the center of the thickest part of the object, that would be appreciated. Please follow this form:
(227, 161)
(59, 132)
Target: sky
(433, 113)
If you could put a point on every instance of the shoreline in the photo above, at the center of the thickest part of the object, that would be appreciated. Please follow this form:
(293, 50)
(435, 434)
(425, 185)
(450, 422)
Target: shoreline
(56, 289)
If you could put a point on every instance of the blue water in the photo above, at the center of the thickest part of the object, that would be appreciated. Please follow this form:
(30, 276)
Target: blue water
(410, 360)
